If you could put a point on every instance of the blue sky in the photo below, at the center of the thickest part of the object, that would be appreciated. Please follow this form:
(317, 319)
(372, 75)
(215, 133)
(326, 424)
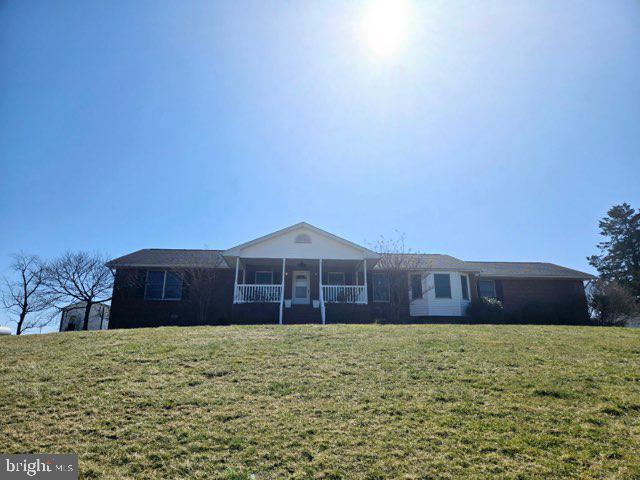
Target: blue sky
(501, 131)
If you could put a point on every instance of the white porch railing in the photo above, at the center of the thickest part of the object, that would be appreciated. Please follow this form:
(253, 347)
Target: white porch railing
(345, 293)
(250, 293)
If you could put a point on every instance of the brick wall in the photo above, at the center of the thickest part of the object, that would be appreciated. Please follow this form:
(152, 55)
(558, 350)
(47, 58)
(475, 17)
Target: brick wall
(544, 301)
(129, 309)
(517, 293)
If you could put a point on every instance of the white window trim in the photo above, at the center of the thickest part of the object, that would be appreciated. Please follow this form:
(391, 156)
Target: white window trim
(435, 289)
(164, 285)
(336, 273)
(373, 286)
(493, 282)
(466, 280)
(255, 277)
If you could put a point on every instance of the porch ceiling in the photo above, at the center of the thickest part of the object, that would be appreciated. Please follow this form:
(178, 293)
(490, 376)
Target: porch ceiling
(301, 263)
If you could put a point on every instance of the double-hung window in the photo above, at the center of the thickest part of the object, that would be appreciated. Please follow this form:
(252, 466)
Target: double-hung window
(335, 278)
(163, 285)
(442, 283)
(380, 287)
(264, 278)
(416, 286)
(464, 283)
(487, 288)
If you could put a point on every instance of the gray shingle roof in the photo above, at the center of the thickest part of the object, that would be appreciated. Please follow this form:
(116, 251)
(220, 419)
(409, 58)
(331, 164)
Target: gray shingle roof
(431, 261)
(527, 270)
(181, 258)
(167, 257)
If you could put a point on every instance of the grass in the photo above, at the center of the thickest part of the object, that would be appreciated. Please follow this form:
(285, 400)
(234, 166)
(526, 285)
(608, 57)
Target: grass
(364, 402)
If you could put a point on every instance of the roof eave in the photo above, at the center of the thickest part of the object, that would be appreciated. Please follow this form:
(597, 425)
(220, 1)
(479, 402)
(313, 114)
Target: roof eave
(548, 277)
(146, 265)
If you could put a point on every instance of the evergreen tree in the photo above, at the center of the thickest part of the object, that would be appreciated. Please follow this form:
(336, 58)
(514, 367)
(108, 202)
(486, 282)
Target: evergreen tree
(619, 259)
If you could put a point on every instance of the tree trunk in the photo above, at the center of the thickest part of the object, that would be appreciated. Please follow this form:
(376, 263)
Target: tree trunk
(20, 322)
(87, 313)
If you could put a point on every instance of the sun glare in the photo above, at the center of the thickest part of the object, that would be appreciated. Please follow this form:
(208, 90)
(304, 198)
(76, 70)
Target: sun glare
(385, 26)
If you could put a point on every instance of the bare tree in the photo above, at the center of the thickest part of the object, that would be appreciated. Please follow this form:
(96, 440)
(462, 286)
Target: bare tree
(24, 296)
(200, 284)
(398, 262)
(80, 277)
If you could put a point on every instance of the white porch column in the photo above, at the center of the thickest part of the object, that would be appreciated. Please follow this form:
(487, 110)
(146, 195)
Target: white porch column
(322, 312)
(235, 282)
(281, 293)
(366, 290)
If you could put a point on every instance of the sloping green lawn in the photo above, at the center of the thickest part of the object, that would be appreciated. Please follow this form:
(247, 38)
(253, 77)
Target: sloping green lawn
(434, 401)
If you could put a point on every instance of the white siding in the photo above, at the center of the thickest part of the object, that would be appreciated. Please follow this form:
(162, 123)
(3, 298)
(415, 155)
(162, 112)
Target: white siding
(98, 317)
(429, 305)
(285, 246)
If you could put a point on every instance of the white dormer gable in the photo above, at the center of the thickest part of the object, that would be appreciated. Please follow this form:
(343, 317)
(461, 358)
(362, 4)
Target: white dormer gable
(301, 241)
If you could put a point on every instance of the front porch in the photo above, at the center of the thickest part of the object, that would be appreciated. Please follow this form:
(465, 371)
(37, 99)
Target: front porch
(299, 287)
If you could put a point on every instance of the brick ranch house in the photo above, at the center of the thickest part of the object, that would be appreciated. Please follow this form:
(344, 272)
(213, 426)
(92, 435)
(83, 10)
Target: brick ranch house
(303, 274)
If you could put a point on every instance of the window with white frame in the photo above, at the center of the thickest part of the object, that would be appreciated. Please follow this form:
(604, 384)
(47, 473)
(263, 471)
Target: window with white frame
(335, 278)
(487, 288)
(264, 278)
(416, 286)
(163, 285)
(442, 283)
(380, 287)
(464, 283)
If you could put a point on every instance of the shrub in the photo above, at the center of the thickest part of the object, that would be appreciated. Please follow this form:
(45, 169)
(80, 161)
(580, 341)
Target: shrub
(485, 310)
(611, 304)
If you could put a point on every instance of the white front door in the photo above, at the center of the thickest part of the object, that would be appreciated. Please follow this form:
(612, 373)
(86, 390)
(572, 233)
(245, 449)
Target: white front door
(301, 287)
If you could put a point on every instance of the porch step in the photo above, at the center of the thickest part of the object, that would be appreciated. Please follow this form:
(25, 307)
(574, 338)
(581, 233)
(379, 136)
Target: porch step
(301, 314)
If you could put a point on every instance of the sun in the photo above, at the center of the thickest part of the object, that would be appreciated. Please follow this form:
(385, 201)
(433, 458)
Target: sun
(385, 27)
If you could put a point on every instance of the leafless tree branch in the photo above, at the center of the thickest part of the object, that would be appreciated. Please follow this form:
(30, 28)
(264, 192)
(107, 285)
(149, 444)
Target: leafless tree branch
(24, 296)
(398, 261)
(79, 277)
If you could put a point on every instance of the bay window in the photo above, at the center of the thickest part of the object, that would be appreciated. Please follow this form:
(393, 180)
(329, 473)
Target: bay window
(464, 283)
(442, 285)
(416, 286)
